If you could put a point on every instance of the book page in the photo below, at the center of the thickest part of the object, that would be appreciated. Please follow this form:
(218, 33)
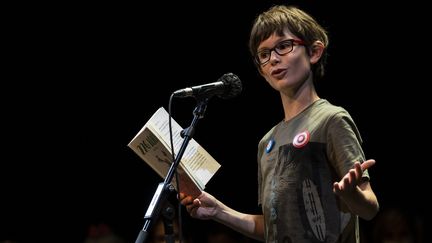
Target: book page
(196, 160)
(152, 150)
(152, 144)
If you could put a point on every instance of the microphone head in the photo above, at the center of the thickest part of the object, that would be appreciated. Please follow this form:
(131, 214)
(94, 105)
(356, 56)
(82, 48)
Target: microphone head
(232, 84)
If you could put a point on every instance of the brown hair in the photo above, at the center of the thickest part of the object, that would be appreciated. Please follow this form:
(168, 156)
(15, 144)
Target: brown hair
(301, 24)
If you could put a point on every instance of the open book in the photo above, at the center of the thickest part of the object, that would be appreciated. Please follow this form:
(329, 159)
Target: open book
(152, 144)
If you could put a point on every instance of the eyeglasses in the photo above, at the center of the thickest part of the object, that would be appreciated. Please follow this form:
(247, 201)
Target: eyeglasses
(282, 48)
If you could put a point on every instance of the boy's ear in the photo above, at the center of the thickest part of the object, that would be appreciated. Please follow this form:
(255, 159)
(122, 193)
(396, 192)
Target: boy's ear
(316, 51)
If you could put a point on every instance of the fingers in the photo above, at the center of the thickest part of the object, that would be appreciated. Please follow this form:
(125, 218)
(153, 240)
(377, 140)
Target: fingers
(336, 188)
(350, 181)
(357, 168)
(197, 203)
(190, 203)
(193, 207)
(367, 164)
(346, 181)
(185, 200)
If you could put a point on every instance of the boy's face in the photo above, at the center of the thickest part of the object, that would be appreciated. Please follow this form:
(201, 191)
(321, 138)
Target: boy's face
(287, 71)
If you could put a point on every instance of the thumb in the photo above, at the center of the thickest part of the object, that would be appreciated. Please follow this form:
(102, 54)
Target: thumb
(197, 202)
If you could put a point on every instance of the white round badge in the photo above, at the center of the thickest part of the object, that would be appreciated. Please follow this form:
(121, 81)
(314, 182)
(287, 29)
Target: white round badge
(301, 139)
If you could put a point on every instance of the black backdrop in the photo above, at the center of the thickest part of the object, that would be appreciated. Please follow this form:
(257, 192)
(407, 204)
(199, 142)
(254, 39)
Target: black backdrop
(84, 78)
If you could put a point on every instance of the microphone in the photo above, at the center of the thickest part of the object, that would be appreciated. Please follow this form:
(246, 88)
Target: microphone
(227, 86)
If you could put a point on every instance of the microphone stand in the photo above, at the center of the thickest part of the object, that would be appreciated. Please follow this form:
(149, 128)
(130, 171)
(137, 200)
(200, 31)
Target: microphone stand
(165, 188)
(168, 217)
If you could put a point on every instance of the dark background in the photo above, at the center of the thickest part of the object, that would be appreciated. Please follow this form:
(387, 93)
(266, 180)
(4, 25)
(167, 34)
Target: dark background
(82, 79)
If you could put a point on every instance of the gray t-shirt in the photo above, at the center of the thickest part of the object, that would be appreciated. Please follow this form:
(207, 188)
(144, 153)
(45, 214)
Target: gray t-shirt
(298, 162)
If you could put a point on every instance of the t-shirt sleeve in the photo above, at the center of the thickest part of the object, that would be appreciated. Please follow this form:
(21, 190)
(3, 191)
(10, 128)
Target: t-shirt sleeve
(344, 143)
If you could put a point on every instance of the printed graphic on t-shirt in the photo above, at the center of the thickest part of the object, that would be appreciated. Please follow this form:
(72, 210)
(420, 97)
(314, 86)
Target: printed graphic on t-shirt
(302, 192)
(314, 210)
